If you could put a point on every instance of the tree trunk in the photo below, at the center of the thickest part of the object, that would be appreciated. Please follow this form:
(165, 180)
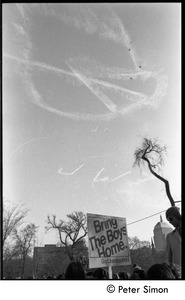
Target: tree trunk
(23, 266)
(167, 187)
(71, 257)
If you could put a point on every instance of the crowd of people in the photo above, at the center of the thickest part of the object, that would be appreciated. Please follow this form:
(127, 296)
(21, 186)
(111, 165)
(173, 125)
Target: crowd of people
(159, 271)
(165, 270)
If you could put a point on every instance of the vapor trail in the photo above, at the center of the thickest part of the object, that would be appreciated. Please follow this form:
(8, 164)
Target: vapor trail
(120, 176)
(30, 141)
(71, 173)
(133, 96)
(97, 175)
(74, 74)
(106, 101)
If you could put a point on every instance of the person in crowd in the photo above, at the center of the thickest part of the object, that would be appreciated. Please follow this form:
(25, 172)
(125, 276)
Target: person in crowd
(123, 275)
(89, 275)
(60, 276)
(163, 271)
(136, 265)
(100, 273)
(115, 276)
(138, 273)
(173, 239)
(75, 271)
(176, 270)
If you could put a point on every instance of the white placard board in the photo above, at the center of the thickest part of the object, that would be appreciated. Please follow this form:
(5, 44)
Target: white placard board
(107, 241)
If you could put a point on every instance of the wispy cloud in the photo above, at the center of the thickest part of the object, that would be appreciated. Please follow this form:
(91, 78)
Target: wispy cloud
(21, 9)
(141, 181)
(106, 26)
(20, 29)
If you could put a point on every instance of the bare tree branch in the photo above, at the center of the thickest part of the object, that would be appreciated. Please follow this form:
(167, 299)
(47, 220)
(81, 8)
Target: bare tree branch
(70, 232)
(13, 217)
(152, 153)
(24, 243)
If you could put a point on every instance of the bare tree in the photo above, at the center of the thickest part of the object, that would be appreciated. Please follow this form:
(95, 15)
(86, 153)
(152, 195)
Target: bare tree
(70, 233)
(13, 217)
(24, 243)
(141, 252)
(152, 153)
(135, 243)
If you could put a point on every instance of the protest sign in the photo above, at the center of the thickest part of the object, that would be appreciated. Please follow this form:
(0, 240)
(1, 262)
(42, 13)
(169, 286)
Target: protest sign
(107, 241)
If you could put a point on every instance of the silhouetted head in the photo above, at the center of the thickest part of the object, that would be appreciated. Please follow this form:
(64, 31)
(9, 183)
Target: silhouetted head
(163, 271)
(173, 216)
(123, 275)
(115, 276)
(100, 274)
(60, 276)
(75, 271)
(89, 275)
(138, 273)
(135, 265)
